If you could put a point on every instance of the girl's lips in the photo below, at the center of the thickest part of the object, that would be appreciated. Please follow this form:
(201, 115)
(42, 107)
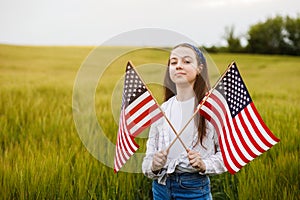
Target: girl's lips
(180, 73)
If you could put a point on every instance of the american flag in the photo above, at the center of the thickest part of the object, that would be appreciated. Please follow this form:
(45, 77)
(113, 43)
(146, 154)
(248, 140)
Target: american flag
(242, 133)
(138, 111)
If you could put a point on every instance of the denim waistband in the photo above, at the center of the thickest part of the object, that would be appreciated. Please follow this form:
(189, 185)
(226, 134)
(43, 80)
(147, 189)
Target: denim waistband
(185, 175)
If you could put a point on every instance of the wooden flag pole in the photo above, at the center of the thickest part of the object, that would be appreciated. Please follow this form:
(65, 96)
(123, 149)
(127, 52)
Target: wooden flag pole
(199, 106)
(172, 127)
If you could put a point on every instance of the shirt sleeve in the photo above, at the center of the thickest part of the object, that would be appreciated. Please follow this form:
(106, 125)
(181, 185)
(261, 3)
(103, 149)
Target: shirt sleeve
(152, 147)
(214, 163)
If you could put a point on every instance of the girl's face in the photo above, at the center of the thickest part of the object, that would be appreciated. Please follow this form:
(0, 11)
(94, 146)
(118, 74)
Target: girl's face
(183, 67)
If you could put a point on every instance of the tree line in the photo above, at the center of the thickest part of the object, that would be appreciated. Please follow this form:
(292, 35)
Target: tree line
(276, 35)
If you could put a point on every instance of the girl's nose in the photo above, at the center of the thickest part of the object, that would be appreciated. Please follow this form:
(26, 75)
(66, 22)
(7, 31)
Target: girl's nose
(179, 66)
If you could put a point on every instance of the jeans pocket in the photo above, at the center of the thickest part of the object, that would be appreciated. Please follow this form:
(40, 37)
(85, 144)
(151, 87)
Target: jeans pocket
(195, 184)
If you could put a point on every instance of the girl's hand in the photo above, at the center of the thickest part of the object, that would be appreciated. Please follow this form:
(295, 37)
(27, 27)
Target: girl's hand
(159, 160)
(196, 161)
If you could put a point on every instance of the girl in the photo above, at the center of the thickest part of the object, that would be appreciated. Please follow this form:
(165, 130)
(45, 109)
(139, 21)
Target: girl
(180, 173)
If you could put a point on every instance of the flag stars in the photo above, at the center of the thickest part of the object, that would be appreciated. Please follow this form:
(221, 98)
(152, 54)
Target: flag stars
(133, 86)
(234, 90)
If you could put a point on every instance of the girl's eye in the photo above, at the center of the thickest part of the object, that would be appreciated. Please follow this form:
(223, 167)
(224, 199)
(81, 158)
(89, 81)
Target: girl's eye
(173, 63)
(187, 61)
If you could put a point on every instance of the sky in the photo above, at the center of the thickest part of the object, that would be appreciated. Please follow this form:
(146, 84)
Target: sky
(94, 22)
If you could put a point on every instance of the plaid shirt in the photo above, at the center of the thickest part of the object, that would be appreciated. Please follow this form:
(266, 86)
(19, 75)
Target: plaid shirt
(159, 139)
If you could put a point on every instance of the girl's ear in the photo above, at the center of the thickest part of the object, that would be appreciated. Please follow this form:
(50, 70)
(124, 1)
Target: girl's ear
(199, 69)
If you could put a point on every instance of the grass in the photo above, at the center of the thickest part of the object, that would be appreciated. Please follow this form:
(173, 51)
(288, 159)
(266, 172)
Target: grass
(43, 157)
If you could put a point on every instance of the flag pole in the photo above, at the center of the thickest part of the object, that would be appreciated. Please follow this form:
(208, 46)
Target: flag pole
(172, 127)
(200, 105)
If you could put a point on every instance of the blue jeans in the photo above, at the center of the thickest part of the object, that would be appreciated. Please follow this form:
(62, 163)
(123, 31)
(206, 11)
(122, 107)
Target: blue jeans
(183, 186)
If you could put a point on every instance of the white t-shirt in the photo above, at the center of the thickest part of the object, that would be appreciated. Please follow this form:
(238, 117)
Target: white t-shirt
(181, 112)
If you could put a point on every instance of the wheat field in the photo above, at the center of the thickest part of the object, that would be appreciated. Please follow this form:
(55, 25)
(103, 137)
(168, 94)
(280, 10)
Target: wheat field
(42, 156)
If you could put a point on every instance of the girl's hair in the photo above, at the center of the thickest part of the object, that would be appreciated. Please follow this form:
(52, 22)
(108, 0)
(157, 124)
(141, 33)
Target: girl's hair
(201, 86)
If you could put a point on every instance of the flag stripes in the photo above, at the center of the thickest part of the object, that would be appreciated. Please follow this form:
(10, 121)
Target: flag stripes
(141, 112)
(262, 128)
(239, 142)
(125, 143)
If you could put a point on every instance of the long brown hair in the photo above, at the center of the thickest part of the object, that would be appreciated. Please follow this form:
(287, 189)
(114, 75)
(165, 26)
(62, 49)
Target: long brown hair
(201, 86)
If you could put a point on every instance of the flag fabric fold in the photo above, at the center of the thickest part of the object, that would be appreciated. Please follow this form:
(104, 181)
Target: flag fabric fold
(138, 111)
(242, 133)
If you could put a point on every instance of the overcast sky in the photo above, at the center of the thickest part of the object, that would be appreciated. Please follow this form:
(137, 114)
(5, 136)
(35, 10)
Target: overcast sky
(92, 22)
